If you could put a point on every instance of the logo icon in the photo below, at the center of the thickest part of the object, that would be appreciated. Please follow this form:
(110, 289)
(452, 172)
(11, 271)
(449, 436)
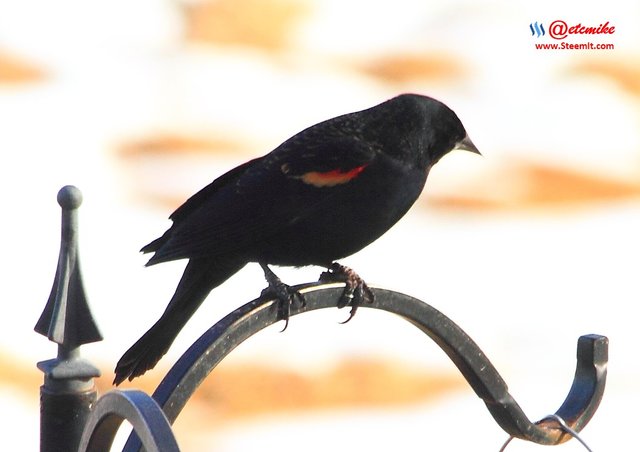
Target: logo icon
(558, 29)
(536, 29)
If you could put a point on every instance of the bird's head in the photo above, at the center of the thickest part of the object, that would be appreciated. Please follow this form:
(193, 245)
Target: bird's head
(418, 129)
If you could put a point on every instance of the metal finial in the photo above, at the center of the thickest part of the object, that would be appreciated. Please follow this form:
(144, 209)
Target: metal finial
(68, 392)
(67, 319)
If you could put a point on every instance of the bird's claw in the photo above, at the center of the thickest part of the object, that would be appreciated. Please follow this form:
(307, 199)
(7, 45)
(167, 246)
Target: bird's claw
(355, 293)
(285, 295)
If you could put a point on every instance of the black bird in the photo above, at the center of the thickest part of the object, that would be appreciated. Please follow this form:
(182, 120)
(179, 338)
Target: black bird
(324, 194)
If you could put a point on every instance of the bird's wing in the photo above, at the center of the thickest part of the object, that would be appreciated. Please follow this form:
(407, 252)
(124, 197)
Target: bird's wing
(328, 163)
(254, 201)
(195, 201)
(193, 204)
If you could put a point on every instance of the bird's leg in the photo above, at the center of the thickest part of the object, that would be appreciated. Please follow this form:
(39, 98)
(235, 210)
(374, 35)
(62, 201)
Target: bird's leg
(286, 295)
(355, 291)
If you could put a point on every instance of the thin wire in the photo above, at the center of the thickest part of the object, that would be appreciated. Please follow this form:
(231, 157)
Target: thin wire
(564, 427)
(504, 446)
(569, 430)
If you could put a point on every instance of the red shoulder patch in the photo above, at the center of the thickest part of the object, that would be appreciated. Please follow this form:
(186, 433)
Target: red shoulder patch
(330, 178)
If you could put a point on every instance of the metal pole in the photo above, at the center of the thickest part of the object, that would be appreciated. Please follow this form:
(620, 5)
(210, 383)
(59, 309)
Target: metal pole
(68, 391)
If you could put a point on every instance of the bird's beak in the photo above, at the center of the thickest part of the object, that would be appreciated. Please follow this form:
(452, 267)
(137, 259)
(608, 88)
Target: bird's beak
(467, 145)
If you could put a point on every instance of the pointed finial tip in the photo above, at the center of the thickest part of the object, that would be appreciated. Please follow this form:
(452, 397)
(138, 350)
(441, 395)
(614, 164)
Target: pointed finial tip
(69, 197)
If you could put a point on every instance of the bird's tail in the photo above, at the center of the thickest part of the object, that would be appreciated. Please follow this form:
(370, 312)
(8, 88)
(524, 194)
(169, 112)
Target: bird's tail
(199, 278)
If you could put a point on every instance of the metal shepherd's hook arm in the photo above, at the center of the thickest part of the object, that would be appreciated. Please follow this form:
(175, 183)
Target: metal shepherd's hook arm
(581, 403)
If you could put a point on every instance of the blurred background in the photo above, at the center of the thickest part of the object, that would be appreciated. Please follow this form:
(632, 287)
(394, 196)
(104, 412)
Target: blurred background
(140, 104)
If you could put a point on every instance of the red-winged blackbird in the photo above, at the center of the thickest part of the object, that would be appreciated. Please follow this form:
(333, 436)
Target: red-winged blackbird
(323, 194)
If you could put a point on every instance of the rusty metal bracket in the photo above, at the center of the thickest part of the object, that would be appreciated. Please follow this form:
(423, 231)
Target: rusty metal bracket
(579, 406)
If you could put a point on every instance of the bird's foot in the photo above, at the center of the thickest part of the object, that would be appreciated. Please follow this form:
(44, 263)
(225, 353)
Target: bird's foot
(283, 293)
(355, 290)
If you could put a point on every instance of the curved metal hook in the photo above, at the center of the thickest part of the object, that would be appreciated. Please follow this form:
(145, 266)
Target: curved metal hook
(144, 414)
(578, 408)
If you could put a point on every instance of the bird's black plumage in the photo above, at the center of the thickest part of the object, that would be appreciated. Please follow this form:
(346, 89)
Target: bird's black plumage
(323, 194)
